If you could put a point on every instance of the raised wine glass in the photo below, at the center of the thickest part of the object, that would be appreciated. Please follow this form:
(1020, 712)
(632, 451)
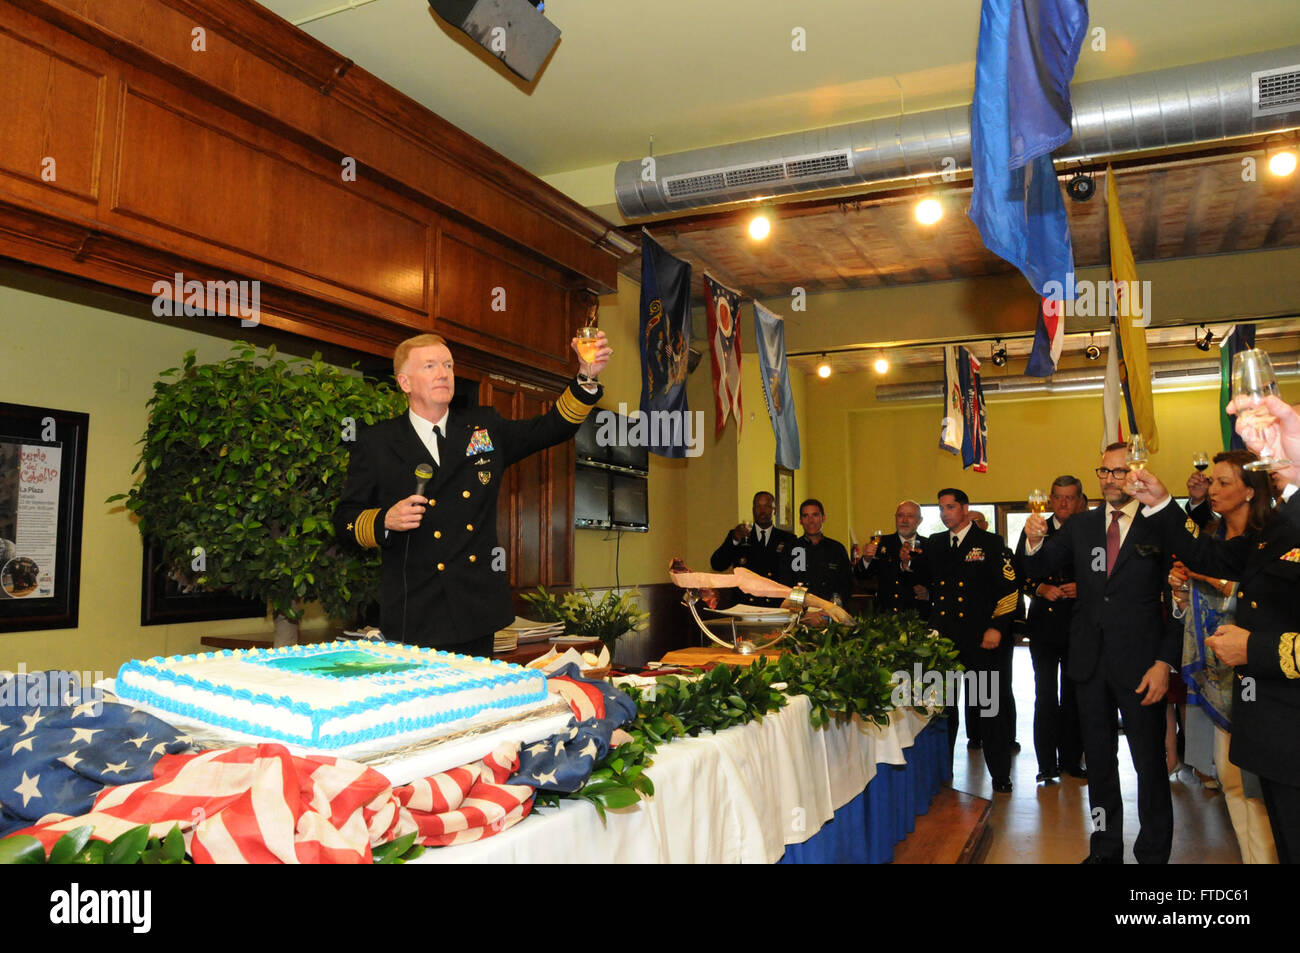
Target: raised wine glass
(1137, 455)
(1037, 501)
(1201, 461)
(587, 337)
(1253, 380)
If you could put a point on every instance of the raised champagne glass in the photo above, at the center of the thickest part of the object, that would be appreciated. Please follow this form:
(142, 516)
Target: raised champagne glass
(1037, 502)
(1137, 455)
(1253, 380)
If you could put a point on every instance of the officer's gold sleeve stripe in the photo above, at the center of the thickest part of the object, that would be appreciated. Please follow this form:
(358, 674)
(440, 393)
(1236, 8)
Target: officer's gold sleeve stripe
(1287, 656)
(572, 409)
(1006, 605)
(365, 528)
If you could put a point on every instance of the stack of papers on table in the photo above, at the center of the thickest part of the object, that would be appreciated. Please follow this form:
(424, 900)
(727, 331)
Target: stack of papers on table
(523, 631)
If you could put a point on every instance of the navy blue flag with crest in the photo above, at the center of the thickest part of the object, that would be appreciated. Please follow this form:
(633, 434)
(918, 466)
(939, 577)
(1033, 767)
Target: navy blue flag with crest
(665, 338)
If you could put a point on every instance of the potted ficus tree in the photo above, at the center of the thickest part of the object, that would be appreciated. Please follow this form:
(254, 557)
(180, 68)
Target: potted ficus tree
(241, 467)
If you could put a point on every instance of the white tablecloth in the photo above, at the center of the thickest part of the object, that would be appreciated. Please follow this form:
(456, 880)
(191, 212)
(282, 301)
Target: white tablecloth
(735, 797)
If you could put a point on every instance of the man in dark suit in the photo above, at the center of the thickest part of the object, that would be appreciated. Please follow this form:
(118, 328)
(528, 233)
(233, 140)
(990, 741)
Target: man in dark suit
(899, 565)
(761, 548)
(444, 581)
(1057, 741)
(817, 561)
(1262, 643)
(973, 601)
(1121, 655)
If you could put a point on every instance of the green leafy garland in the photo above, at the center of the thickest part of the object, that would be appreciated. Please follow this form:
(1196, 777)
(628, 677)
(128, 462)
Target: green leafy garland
(137, 847)
(844, 669)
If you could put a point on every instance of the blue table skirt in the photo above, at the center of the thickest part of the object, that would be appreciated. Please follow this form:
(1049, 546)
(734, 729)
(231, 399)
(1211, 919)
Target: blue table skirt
(865, 830)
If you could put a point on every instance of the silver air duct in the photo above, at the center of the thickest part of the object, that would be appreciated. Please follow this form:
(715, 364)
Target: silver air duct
(1171, 374)
(1206, 102)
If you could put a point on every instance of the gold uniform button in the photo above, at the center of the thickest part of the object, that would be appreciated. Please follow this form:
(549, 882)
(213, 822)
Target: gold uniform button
(470, 527)
(441, 567)
(961, 598)
(961, 584)
(942, 612)
(1254, 604)
(465, 493)
(961, 615)
(433, 502)
(473, 558)
(437, 534)
(943, 582)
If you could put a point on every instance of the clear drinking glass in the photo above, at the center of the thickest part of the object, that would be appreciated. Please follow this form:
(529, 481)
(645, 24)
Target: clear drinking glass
(1253, 380)
(1201, 461)
(1037, 501)
(1137, 455)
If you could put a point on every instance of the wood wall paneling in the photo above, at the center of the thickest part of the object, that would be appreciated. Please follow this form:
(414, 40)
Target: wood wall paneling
(219, 188)
(53, 108)
(532, 325)
(260, 67)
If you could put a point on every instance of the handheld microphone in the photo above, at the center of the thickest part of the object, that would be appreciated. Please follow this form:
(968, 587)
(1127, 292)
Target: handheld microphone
(423, 473)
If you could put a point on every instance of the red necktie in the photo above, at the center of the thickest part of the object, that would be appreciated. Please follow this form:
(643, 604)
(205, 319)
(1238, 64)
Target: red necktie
(1112, 541)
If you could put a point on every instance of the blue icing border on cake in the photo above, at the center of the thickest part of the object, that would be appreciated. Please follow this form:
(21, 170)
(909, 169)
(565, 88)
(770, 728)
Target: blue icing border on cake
(511, 674)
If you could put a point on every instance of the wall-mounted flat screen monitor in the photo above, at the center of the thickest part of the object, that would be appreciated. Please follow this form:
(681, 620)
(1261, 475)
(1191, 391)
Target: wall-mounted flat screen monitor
(591, 498)
(631, 502)
(584, 442)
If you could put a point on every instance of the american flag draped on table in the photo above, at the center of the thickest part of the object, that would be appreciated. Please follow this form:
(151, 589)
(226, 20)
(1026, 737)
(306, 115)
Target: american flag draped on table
(263, 804)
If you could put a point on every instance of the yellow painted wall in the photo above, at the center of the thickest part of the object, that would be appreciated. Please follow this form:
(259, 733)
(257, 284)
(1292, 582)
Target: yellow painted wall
(96, 355)
(866, 456)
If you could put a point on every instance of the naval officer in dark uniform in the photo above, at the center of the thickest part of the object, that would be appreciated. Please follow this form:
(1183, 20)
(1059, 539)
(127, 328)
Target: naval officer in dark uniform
(444, 579)
(974, 596)
(761, 548)
(899, 565)
(816, 561)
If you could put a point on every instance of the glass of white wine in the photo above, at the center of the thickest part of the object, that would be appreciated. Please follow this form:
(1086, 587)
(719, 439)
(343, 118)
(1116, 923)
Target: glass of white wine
(1037, 501)
(1253, 380)
(1137, 455)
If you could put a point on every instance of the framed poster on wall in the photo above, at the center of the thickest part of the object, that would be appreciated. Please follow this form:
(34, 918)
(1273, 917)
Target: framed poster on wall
(42, 482)
(166, 598)
(785, 516)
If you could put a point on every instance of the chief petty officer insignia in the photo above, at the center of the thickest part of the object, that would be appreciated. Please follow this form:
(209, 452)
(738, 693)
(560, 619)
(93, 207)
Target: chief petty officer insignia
(480, 442)
(1008, 570)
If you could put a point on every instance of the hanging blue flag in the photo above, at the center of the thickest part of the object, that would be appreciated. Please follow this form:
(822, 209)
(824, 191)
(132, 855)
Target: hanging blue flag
(1021, 112)
(665, 337)
(1240, 338)
(769, 338)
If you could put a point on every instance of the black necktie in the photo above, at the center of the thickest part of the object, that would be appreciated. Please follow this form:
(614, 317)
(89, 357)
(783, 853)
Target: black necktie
(438, 443)
(955, 544)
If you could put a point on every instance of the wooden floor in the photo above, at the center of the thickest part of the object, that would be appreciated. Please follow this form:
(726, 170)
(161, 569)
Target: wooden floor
(1049, 823)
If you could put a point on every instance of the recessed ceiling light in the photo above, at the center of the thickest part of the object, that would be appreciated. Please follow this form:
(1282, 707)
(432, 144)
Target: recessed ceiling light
(928, 211)
(759, 227)
(1282, 163)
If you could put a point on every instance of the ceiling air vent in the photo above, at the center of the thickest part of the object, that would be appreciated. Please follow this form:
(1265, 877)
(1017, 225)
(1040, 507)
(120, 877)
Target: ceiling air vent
(1276, 90)
(799, 169)
(684, 185)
